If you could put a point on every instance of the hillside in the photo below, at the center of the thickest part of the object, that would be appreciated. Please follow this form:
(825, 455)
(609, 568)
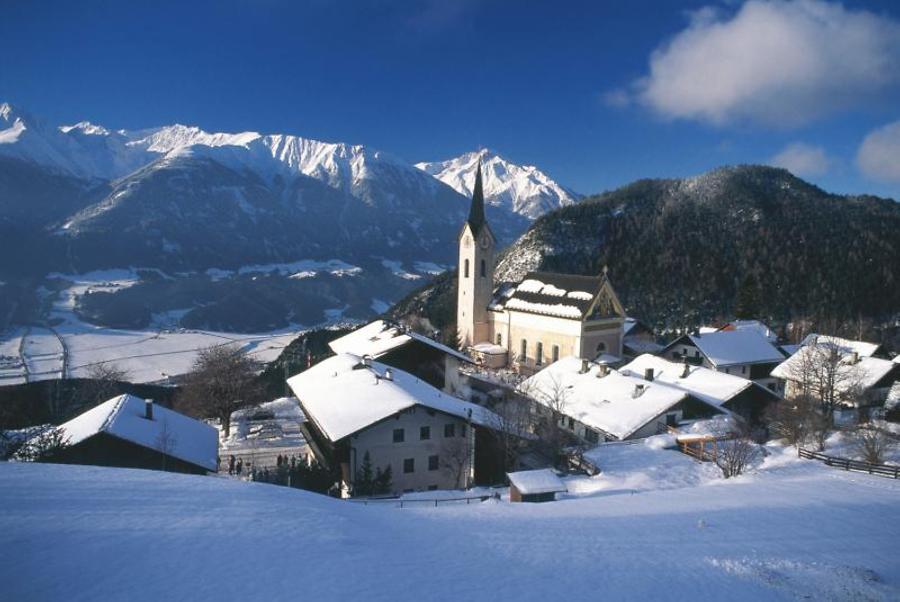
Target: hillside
(679, 250)
(793, 529)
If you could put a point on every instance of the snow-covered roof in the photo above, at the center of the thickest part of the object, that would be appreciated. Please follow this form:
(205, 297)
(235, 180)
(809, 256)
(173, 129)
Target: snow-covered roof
(863, 348)
(607, 403)
(865, 373)
(489, 348)
(123, 417)
(283, 408)
(530, 482)
(560, 295)
(730, 347)
(343, 396)
(380, 337)
(712, 387)
(754, 325)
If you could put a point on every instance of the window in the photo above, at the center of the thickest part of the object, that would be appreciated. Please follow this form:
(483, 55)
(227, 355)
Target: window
(556, 353)
(590, 435)
(571, 424)
(462, 430)
(483, 268)
(398, 436)
(432, 488)
(524, 353)
(743, 369)
(409, 465)
(425, 433)
(433, 462)
(499, 339)
(601, 347)
(539, 354)
(466, 268)
(449, 430)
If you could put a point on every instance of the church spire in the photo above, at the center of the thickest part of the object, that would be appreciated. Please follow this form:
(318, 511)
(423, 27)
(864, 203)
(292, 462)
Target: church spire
(476, 211)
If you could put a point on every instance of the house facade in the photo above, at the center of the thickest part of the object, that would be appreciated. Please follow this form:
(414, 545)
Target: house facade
(745, 353)
(538, 320)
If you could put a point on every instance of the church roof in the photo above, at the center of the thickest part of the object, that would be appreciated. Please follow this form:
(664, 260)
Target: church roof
(477, 220)
(546, 293)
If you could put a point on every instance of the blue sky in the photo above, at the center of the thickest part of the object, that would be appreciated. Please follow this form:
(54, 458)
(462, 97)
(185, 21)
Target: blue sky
(595, 93)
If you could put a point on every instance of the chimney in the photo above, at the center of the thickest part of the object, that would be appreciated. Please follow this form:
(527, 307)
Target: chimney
(603, 370)
(367, 361)
(638, 391)
(388, 374)
(585, 366)
(687, 369)
(148, 409)
(648, 375)
(854, 357)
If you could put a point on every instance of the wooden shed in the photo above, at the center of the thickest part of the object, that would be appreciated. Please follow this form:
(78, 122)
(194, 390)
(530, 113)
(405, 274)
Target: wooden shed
(534, 485)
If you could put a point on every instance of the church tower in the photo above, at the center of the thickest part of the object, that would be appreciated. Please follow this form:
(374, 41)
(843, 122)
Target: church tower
(476, 272)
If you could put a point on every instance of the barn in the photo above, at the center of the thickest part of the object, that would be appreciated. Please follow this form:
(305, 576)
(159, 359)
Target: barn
(130, 432)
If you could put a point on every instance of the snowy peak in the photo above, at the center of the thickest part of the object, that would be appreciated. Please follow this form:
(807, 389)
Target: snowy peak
(521, 189)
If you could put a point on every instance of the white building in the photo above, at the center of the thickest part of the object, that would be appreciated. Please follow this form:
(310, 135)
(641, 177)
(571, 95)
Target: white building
(598, 404)
(354, 407)
(744, 352)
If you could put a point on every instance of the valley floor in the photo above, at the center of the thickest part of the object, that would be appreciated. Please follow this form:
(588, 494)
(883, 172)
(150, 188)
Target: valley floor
(792, 529)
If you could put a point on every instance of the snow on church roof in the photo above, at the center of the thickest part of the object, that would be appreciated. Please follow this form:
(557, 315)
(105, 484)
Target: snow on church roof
(123, 417)
(709, 385)
(605, 403)
(342, 395)
(380, 337)
(560, 295)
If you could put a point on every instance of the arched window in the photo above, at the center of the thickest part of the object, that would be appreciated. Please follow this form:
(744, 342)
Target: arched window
(483, 268)
(524, 353)
(466, 268)
(499, 338)
(601, 347)
(539, 354)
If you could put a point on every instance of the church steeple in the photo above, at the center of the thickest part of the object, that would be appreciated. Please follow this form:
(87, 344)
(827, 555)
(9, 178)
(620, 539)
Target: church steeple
(476, 211)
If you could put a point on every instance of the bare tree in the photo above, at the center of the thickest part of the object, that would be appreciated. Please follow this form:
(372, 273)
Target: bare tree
(551, 401)
(456, 460)
(513, 425)
(824, 372)
(872, 443)
(222, 380)
(165, 442)
(734, 456)
(105, 380)
(800, 421)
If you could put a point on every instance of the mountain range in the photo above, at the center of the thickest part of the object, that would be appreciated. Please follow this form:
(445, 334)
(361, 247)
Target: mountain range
(82, 197)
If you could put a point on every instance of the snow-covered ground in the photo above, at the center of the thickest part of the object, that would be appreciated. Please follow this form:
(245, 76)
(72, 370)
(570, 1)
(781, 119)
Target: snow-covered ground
(793, 529)
(151, 355)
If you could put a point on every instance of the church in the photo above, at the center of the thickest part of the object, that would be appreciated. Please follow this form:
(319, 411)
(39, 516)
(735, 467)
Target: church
(532, 323)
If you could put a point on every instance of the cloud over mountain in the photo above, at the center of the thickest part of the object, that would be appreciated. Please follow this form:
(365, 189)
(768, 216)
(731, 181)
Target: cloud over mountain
(802, 159)
(879, 154)
(778, 63)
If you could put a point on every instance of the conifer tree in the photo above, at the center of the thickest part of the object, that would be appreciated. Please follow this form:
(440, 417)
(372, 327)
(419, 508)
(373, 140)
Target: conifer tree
(364, 484)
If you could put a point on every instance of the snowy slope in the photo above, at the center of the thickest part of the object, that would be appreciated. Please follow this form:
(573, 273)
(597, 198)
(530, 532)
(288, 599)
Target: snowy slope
(521, 189)
(796, 530)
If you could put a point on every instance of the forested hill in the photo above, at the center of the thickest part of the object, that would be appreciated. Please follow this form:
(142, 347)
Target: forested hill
(679, 250)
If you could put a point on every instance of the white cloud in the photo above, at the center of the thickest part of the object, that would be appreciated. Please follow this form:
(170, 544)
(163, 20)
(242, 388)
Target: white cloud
(617, 98)
(777, 62)
(802, 159)
(879, 154)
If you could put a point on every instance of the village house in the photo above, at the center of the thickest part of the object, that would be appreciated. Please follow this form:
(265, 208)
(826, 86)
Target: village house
(597, 404)
(534, 486)
(534, 322)
(859, 379)
(741, 396)
(742, 352)
(754, 325)
(430, 440)
(637, 339)
(394, 345)
(130, 432)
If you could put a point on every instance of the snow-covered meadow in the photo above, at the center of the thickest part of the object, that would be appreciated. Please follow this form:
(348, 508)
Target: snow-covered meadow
(792, 529)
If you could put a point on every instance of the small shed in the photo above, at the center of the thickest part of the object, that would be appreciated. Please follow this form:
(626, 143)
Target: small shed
(534, 485)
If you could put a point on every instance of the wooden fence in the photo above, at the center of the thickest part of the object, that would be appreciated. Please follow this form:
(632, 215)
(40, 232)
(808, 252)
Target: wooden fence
(411, 502)
(883, 470)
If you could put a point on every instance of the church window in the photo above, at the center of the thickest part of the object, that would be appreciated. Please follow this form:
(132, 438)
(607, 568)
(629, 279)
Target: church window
(524, 353)
(483, 268)
(556, 353)
(539, 354)
(466, 268)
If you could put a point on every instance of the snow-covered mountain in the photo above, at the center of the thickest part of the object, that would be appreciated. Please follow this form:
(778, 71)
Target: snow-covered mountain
(521, 189)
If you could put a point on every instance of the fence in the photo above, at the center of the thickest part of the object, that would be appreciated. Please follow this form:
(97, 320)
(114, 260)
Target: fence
(410, 502)
(883, 470)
